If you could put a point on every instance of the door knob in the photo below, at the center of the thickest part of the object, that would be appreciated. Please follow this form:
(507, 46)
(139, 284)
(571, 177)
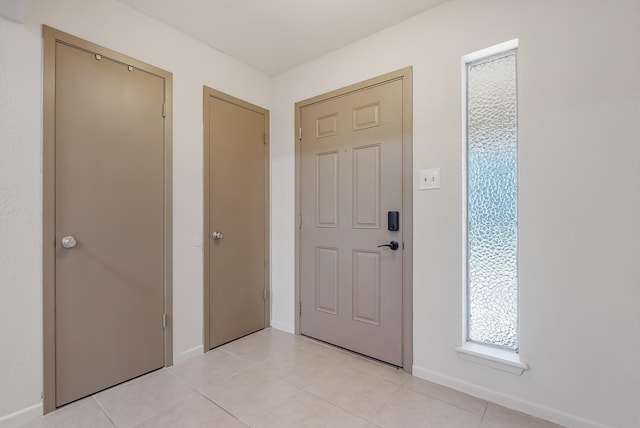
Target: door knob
(69, 242)
(217, 235)
(393, 245)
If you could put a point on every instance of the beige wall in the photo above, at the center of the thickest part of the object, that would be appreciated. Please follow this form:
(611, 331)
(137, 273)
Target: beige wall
(579, 176)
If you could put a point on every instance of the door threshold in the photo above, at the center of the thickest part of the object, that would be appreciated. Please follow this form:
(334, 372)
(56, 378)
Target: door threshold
(351, 352)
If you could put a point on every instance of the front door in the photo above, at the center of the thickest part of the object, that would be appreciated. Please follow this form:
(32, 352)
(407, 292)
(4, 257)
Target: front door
(351, 179)
(236, 189)
(109, 222)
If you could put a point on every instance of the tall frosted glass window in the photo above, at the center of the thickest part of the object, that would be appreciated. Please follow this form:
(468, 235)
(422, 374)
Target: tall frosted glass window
(492, 201)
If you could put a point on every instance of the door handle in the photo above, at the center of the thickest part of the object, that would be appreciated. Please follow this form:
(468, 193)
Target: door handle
(393, 245)
(69, 242)
(217, 235)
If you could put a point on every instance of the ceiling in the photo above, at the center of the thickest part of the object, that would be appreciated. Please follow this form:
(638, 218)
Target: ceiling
(275, 35)
(14, 10)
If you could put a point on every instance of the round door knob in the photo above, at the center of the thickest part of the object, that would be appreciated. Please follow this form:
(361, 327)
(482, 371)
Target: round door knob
(217, 235)
(69, 242)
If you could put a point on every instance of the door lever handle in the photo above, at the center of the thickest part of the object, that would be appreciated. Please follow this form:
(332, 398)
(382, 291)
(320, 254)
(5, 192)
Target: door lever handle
(393, 245)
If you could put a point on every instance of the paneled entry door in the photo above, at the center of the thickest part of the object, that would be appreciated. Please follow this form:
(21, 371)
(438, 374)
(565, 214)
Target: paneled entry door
(351, 263)
(107, 200)
(236, 218)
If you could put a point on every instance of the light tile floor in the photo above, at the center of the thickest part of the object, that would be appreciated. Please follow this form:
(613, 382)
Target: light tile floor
(275, 379)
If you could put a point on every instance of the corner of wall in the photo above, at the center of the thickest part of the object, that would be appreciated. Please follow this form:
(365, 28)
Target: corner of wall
(288, 328)
(506, 400)
(21, 417)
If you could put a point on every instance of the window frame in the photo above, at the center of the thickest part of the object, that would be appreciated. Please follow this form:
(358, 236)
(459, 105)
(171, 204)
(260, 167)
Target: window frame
(473, 350)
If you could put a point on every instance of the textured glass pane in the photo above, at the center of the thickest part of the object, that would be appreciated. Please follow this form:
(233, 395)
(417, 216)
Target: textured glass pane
(492, 202)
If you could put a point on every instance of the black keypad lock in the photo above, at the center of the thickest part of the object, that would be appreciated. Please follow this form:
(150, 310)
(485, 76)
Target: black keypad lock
(393, 221)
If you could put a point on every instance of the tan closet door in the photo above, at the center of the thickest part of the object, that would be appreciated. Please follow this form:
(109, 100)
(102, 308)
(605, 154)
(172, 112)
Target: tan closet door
(109, 223)
(351, 177)
(236, 198)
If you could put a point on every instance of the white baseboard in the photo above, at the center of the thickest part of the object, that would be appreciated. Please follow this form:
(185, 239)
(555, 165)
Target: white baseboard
(21, 417)
(506, 400)
(283, 326)
(189, 353)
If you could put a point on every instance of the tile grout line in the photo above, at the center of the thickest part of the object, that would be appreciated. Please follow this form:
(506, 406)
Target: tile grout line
(169, 408)
(349, 411)
(382, 366)
(316, 396)
(104, 411)
(255, 363)
(308, 375)
(386, 404)
(354, 357)
(219, 406)
(484, 409)
(200, 393)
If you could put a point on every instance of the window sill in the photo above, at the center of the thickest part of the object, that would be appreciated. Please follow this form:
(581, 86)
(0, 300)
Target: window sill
(495, 358)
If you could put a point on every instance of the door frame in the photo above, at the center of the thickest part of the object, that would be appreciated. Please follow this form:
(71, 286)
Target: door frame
(406, 76)
(213, 93)
(52, 36)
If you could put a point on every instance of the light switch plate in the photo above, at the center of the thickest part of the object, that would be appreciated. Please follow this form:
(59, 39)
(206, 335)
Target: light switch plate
(429, 179)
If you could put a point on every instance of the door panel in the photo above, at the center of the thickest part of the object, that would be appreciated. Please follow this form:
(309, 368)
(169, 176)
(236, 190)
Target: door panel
(366, 287)
(109, 195)
(366, 187)
(327, 280)
(237, 200)
(351, 176)
(327, 189)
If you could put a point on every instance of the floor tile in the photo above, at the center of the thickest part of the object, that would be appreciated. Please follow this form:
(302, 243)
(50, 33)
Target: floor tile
(195, 412)
(212, 367)
(409, 408)
(275, 379)
(387, 372)
(451, 396)
(260, 346)
(306, 410)
(302, 367)
(325, 349)
(501, 417)
(81, 414)
(360, 393)
(138, 400)
(251, 394)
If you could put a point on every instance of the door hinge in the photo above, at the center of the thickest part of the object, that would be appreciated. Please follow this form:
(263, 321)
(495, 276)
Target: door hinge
(164, 320)
(299, 221)
(264, 293)
(299, 309)
(164, 109)
(300, 134)
(265, 138)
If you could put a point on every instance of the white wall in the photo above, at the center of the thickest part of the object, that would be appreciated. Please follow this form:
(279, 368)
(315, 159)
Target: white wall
(115, 26)
(20, 219)
(579, 195)
(579, 181)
